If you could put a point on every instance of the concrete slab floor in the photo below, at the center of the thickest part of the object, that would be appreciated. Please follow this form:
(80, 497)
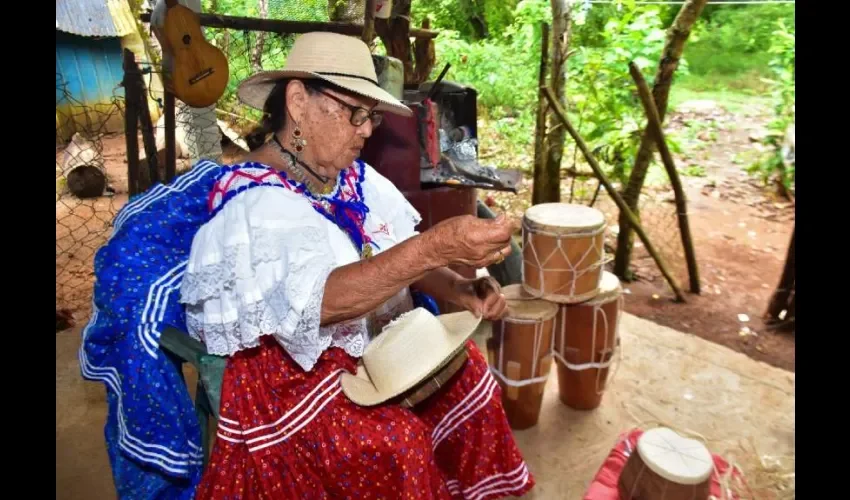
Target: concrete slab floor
(665, 376)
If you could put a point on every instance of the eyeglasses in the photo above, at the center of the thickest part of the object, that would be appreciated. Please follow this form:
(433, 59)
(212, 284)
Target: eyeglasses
(359, 114)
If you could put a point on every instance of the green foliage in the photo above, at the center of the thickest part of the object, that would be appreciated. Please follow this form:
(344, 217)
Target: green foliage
(456, 15)
(783, 90)
(728, 47)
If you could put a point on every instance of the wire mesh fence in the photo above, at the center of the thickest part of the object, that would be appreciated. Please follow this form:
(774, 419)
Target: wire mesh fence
(658, 217)
(91, 153)
(91, 186)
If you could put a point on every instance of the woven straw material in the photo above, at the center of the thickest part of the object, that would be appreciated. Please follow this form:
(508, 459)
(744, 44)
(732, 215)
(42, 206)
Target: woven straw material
(431, 385)
(339, 59)
(408, 351)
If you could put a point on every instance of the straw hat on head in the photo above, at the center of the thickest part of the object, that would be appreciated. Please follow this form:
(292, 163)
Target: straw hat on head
(410, 351)
(339, 59)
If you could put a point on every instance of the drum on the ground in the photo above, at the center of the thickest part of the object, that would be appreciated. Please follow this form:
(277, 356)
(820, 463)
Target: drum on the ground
(666, 466)
(519, 353)
(563, 251)
(586, 339)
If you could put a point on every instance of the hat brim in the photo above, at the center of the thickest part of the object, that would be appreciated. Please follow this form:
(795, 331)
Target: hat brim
(360, 389)
(255, 90)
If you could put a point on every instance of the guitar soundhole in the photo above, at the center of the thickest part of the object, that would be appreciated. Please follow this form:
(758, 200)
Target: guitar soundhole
(187, 39)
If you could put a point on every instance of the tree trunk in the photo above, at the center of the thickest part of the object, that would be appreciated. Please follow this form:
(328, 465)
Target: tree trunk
(259, 45)
(396, 36)
(540, 174)
(784, 296)
(561, 26)
(677, 35)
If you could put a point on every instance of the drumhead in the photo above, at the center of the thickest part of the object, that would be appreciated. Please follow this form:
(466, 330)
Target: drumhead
(522, 305)
(674, 457)
(609, 289)
(563, 218)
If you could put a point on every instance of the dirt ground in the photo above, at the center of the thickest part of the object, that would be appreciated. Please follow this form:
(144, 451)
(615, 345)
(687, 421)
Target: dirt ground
(740, 228)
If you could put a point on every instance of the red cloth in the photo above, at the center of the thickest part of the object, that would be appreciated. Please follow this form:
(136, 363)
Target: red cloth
(284, 433)
(604, 485)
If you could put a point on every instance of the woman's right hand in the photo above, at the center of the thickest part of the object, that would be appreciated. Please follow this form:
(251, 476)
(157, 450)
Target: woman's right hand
(472, 241)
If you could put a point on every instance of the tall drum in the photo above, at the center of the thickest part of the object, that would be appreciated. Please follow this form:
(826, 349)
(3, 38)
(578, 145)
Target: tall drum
(586, 339)
(519, 353)
(563, 251)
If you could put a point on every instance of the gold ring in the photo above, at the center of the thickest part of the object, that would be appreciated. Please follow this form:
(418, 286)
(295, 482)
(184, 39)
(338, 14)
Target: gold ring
(499, 258)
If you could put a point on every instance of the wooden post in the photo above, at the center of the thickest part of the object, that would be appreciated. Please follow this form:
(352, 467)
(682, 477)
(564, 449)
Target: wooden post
(131, 122)
(170, 138)
(369, 22)
(784, 297)
(656, 131)
(621, 204)
(677, 35)
(539, 172)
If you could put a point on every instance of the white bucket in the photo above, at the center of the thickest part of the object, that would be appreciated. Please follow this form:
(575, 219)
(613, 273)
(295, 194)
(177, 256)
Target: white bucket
(383, 9)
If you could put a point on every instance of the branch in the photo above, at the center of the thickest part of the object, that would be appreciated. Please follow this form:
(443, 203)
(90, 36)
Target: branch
(624, 209)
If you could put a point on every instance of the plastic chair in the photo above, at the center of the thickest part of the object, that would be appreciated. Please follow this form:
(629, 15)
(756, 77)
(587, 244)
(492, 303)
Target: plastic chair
(210, 370)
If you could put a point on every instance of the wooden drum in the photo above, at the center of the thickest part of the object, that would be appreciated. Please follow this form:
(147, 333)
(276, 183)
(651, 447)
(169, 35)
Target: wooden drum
(666, 466)
(562, 251)
(586, 338)
(519, 353)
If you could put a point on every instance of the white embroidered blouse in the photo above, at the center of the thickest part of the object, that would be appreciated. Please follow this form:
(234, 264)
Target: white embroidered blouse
(260, 265)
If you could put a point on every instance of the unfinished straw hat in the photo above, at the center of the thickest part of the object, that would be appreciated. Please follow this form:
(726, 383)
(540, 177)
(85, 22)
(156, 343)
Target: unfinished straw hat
(339, 59)
(411, 352)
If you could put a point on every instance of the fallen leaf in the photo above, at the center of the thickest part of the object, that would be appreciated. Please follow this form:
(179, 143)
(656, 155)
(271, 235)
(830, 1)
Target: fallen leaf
(759, 348)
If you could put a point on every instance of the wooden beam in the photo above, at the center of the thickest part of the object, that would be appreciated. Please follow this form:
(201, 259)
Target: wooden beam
(280, 26)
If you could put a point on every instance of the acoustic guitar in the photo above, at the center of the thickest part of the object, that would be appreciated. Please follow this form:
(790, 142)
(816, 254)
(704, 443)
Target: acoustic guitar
(199, 72)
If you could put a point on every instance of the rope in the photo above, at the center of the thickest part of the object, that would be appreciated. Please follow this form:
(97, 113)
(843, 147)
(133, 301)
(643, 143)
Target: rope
(528, 241)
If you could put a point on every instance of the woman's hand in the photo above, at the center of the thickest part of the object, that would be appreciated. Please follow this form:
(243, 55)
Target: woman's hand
(472, 241)
(481, 296)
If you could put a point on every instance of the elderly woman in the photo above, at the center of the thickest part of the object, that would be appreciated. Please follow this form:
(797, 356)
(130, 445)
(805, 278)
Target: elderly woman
(305, 254)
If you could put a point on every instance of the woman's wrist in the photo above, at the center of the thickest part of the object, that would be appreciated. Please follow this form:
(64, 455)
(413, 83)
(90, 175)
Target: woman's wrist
(429, 245)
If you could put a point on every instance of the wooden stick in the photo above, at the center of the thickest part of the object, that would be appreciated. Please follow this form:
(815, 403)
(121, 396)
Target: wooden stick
(170, 139)
(131, 123)
(369, 22)
(559, 112)
(657, 133)
(148, 136)
(287, 27)
(540, 133)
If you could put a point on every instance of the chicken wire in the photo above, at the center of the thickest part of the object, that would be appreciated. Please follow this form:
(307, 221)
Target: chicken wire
(93, 135)
(657, 213)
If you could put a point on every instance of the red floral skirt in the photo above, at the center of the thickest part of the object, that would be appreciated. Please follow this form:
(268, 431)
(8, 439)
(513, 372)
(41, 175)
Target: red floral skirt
(286, 433)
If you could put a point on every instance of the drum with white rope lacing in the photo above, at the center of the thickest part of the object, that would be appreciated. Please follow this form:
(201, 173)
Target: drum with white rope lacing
(563, 251)
(586, 339)
(519, 352)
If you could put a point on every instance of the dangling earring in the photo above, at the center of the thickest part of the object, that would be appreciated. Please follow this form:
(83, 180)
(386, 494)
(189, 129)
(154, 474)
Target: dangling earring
(298, 141)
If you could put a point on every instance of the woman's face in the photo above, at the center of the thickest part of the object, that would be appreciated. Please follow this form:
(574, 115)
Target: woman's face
(332, 141)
